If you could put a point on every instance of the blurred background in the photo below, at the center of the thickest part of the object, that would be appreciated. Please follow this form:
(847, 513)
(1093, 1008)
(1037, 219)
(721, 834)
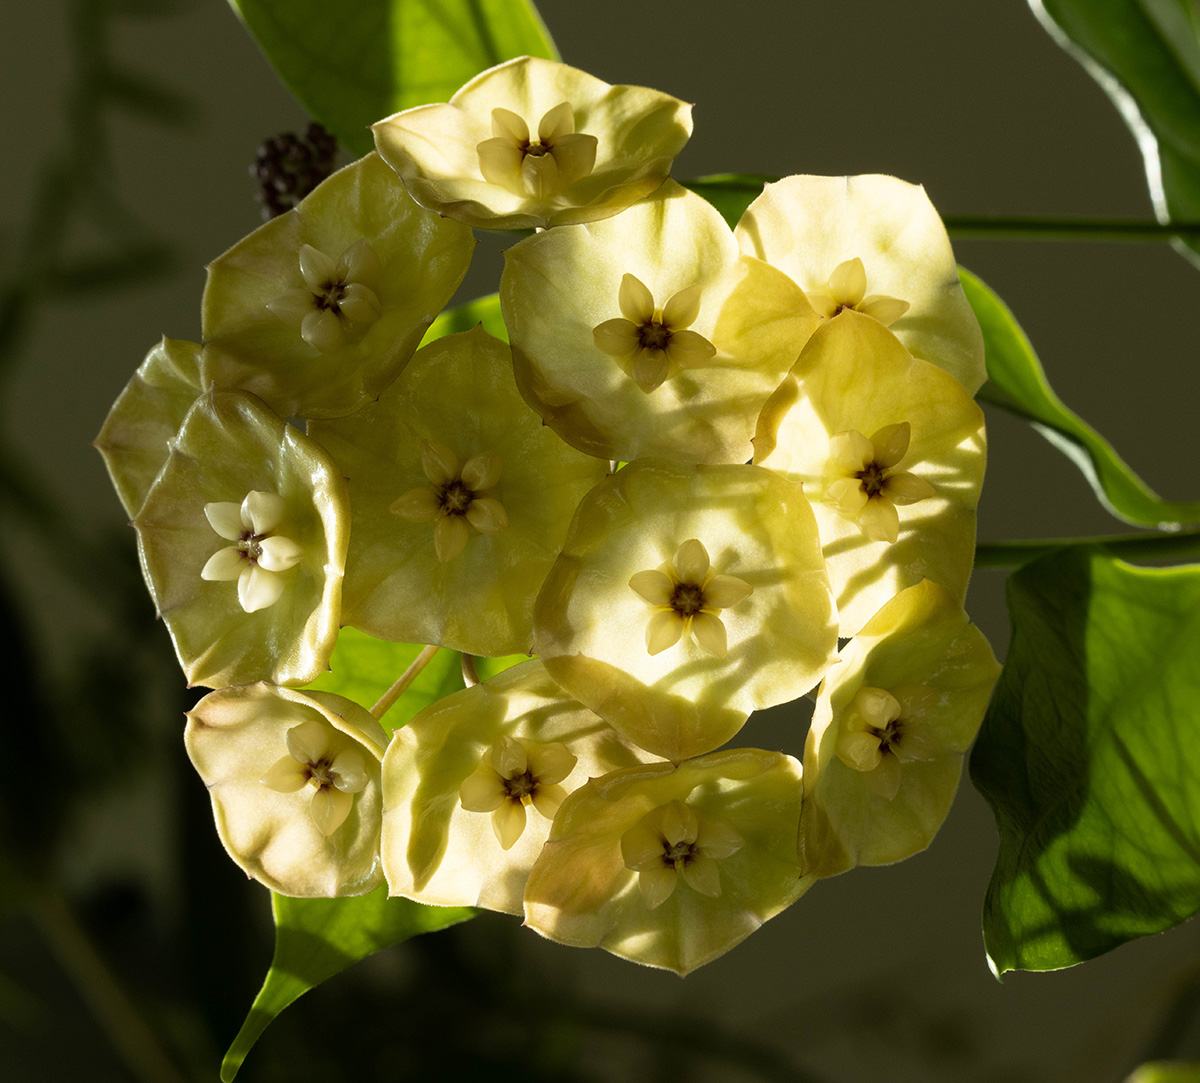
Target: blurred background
(129, 129)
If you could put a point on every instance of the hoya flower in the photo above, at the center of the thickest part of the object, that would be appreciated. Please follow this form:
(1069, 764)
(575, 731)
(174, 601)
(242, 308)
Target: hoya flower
(649, 334)
(635, 571)
(318, 310)
(461, 498)
(267, 606)
(892, 722)
(687, 597)
(146, 415)
(890, 451)
(874, 245)
(535, 143)
(294, 779)
(472, 784)
(671, 866)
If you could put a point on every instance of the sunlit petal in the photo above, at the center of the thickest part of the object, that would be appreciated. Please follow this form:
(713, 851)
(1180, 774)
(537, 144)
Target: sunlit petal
(650, 368)
(652, 586)
(540, 174)
(330, 807)
(859, 749)
(886, 310)
(547, 799)
(500, 162)
(879, 521)
(263, 510)
(483, 790)
(848, 283)
(703, 875)
(291, 306)
(360, 304)
(885, 779)
(724, 591)
(360, 264)
(688, 348)
(258, 588)
(286, 775)
(510, 126)
(848, 496)
(308, 742)
(709, 631)
(617, 337)
(890, 444)
(439, 462)
(509, 758)
(905, 488)
(679, 823)
(682, 308)
(576, 156)
(550, 763)
(716, 838)
(318, 269)
(349, 771)
(416, 505)
(635, 300)
(663, 630)
(508, 822)
(225, 518)
(691, 561)
(656, 885)
(642, 848)
(278, 554)
(224, 565)
(849, 452)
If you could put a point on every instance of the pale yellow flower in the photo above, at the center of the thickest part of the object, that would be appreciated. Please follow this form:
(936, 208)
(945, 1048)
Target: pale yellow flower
(338, 300)
(261, 554)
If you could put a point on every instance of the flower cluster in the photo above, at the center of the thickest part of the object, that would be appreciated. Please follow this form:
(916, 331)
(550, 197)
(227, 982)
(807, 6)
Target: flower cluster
(701, 458)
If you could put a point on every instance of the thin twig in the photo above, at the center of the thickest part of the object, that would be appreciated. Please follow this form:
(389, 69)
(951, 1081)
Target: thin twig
(1012, 554)
(388, 699)
(470, 673)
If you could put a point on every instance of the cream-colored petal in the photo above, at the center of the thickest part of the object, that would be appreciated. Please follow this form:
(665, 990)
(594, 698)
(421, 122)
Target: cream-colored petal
(617, 337)
(318, 269)
(500, 162)
(286, 775)
(292, 306)
(653, 586)
(482, 471)
(322, 330)
(556, 123)
(679, 823)
(849, 452)
(509, 757)
(547, 799)
(508, 822)
(308, 742)
(875, 706)
(416, 505)
(224, 565)
(349, 771)
(487, 515)
(717, 839)
(550, 763)
(691, 561)
(635, 300)
(905, 488)
(439, 462)
(510, 126)
(360, 264)
(360, 304)
(482, 791)
(278, 554)
(890, 444)
(329, 808)
(642, 848)
(663, 630)
(879, 521)
(709, 631)
(540, 175)
(886, 310)
(885, 779)
(450, 537)
(656, 885)
(576, 157)
(650, 368)
(848, 496)
(859, 749)
(848, 283)
(225, 518)
(263, 512)
(823, 304)
(702, 875)
(724, 591)
(682, 308)
(686, 348)
(258, 588)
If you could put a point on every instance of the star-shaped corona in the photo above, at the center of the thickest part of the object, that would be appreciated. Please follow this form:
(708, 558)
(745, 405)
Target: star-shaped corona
(334, 768)
(338, 300)
(538, 167)
(260, 554)
(847, 288)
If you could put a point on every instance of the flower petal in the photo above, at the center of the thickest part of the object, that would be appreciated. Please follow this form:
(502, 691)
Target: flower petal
(890, 444)
(848, 496)
(508, 822)
(500, 162)
(880, 521)
(258, 588)
(906, 488)
(225, 518)
(679, 823)
(450, 537)
(556, 123)
(263, 512)
(224, 565)
(483, 790)
(849, 452)
(859, 749)
(886, 310)
(716, 838)
(576, 157)
(691, 561)
(360, 264)
(682, 308)
(439, 462)
(508, 757)
(848, 283)
(330, 807)
(663, 630)
(360, 304)
(688, 348)
(481, 471)
(547, 799)
(318, 269)
(635, 300)
(278, 554)
(322, 330)
(286, 775)
(617, 337)
(656, 885)
(642, 847)
(703, 875)
(709, 631)
(292, 306)
(650, 368)
(550, 763)
(540, 174)
(725, 591)
(349, 771)
(884, 780)
(416, 505)
(308, 742)
(915, 746)
(487, 515)
(653, 586)
(510, 126)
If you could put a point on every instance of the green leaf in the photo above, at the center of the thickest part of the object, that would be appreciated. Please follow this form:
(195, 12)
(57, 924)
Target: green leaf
(318, 938)
(1145, 54)
(1088, 756)
(484, 310)
(363, 668)
(1163, 1071)
(1018, 383)
(351, 64)
(730, 193)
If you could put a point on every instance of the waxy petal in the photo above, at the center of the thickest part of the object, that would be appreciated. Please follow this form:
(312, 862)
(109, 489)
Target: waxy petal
(318, 269)
(556, 123)
(848, 496)
(263, 512)
(259, 588)
(879, 521)
(710, 633)
(884, 779)
(417, 505)
(617, 337)
(439, 462)
(540, 175)
(725, 591)
(330, 807)
(686, 348)
(323, 331)
(509, 126)
(225, 565)
(887, 310)
(483, 791)
(663, 630)
(718, 838)
(500, 162)
(890, 444)
(905, 488)
(450, 537)
(859, 749)
(349, 771)
(691, 561)
(308, 742)
(292, 306)
(548, 799)
(487, 515)
(576, 156)
(653, 586)
(278, 554)
(635, 300)
(848, 282)
(650, 368)
(508, 822)
(286, 775)
(360, 265)
(849, 452)
(682, 309)
(657, 885)
(703, 875)
(482, 471)
(508, 758)
(225, 517)
(359, 304)
(550, 763)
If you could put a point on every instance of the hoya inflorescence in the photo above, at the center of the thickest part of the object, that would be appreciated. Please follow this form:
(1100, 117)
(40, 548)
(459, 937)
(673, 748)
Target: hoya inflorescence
(702, 458)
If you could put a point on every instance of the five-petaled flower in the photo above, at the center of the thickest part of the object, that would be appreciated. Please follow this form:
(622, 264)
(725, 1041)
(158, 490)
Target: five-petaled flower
(338, 299)
(260, 555)
(336, 769)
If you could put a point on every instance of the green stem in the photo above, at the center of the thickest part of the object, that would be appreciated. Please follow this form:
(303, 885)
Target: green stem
(1012, 554)
(1026, 227)
(388, 699)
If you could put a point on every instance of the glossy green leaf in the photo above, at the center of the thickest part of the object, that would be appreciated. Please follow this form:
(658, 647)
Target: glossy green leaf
(730, 193)
(1089, 756)
(351, 64)
(483, 310)
(1145, 54)
(1017, 383)
(318, 938)
(1164, 1071)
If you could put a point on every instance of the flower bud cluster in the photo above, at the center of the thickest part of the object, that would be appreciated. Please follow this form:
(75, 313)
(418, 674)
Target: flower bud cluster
(701, 458)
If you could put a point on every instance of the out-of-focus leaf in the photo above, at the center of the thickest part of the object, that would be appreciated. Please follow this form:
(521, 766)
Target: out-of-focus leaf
(318, 938)
(142, 94)
(363, 668)
(1017, 383)
(128, 266)
(1089, 756)
(351, 64)
(730, 193)
(484, 310)
(1146, 56)
(1166, 1071)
